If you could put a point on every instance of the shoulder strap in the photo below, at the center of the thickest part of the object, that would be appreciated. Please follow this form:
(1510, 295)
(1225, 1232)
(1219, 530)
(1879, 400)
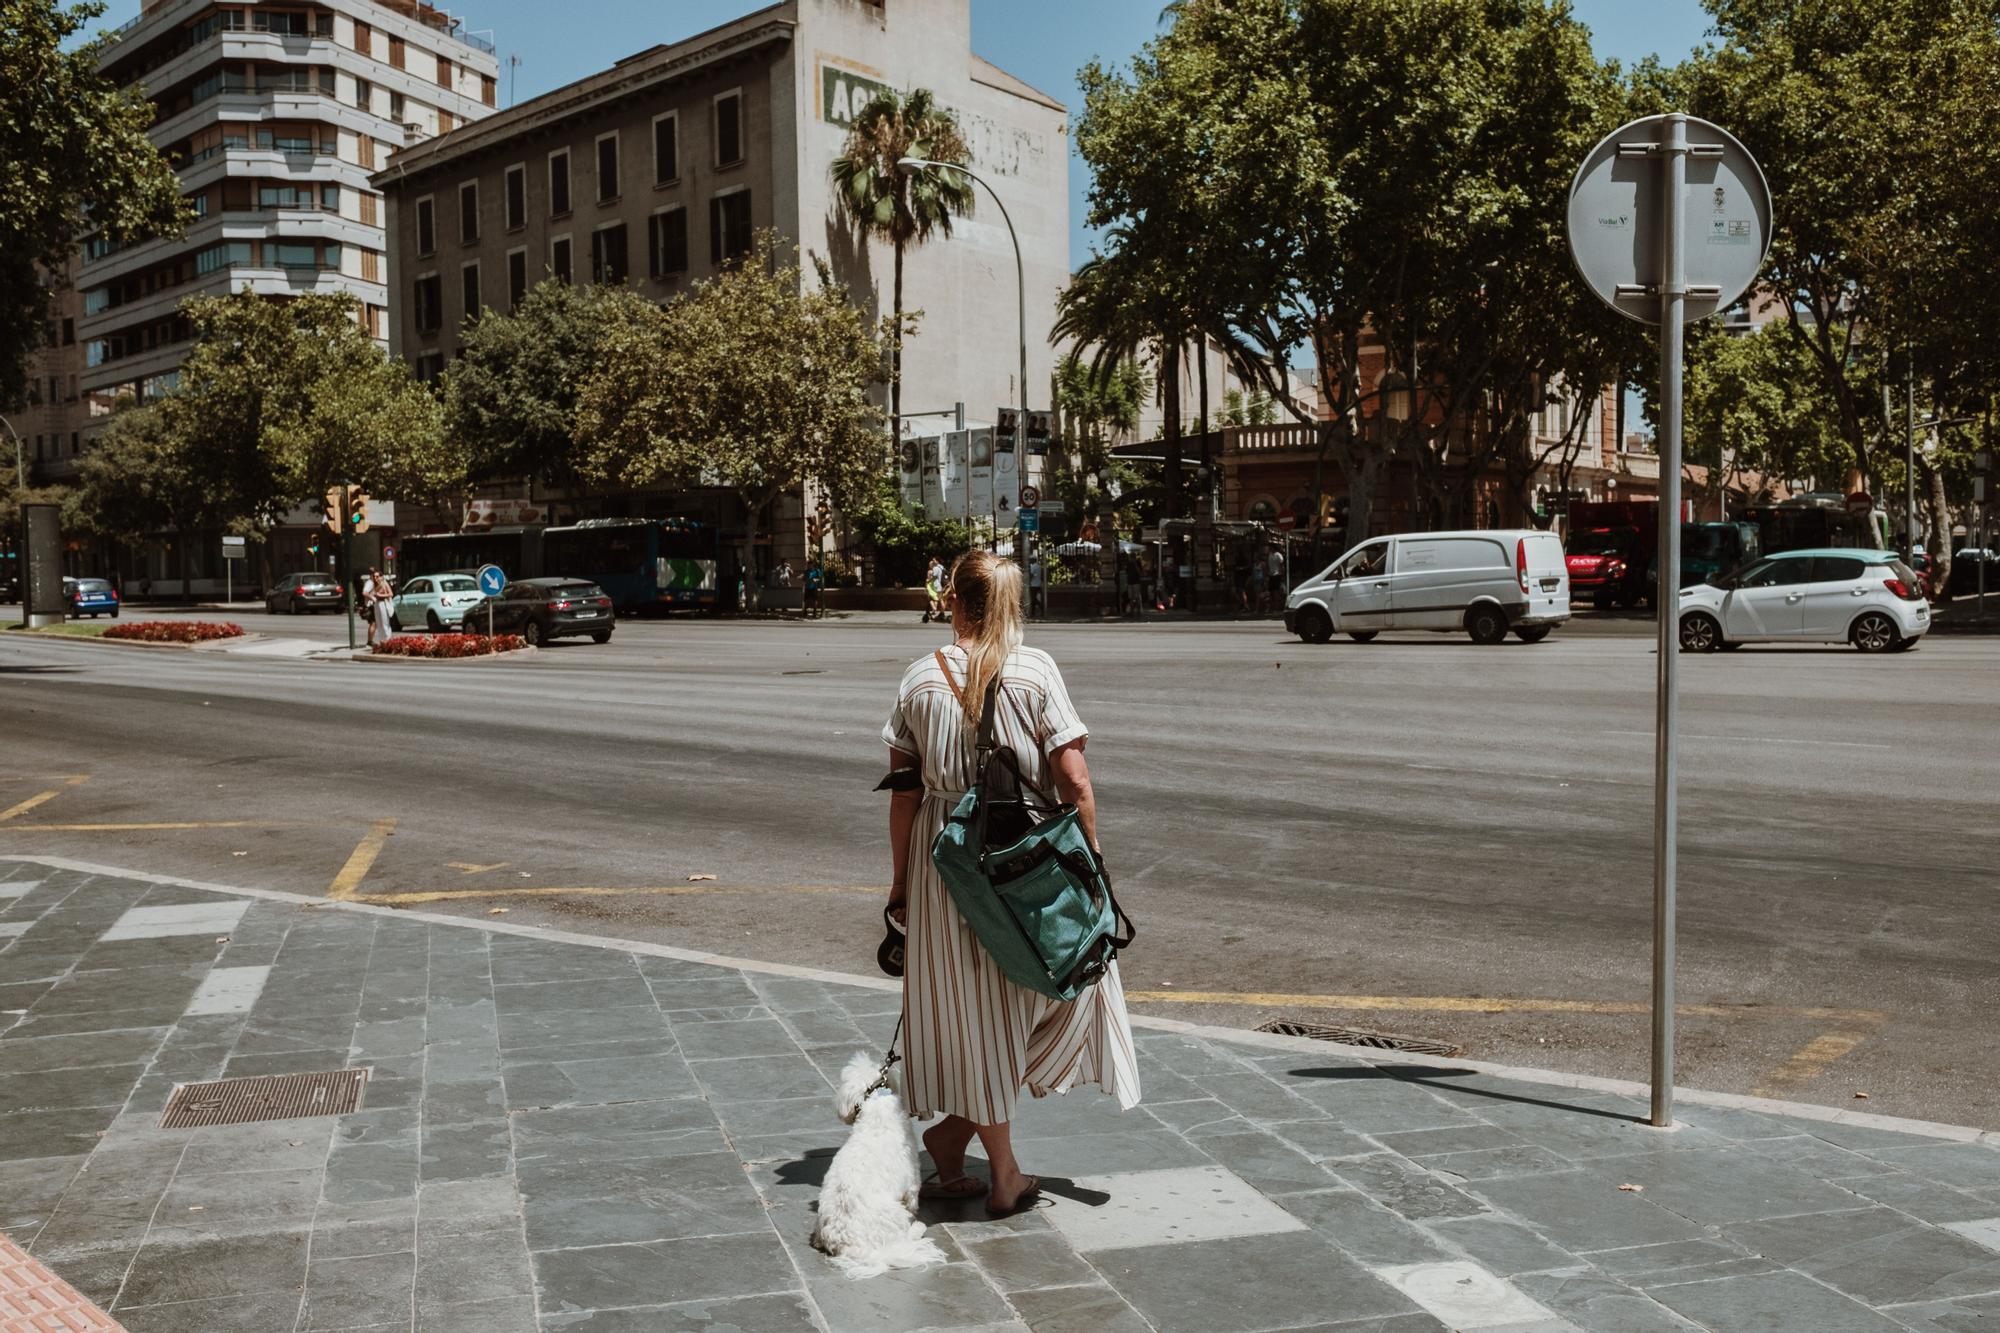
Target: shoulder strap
(984, 745)
(944, 665)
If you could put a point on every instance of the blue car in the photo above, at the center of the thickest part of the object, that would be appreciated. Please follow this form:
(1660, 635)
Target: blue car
(90, 597)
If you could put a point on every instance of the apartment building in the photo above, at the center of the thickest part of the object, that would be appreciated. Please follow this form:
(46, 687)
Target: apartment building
(658, 170)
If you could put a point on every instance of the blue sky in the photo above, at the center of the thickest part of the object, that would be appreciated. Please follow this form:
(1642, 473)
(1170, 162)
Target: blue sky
(1042, 41)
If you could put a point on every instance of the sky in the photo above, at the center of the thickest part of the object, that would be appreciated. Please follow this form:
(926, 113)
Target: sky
(1044, 42)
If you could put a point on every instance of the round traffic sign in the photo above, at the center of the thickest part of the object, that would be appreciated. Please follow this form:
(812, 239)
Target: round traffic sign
(1617, 221)
(491, 580)
(388, 553)
(1860, 503)
(1030, 497)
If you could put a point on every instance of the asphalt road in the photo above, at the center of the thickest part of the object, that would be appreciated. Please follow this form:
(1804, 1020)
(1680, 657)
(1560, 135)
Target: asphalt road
(1416, 836)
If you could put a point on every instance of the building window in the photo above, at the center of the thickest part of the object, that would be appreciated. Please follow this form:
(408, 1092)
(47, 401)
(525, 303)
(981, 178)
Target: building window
(729, 226)
(468, 277)
(489, 90)
(429, 366)
(728, 129)
(427, 237)
(666, 148)
(468, 212)
(517, 277)
(559, 258)
(429, 303)
(222, 256)
(607, 167)
(371, 266)
(517, 197)
(364, 95)
(559, 183)
(445, 72)
(667, 241)
(69, 332)
(607, 255)
(399, 53)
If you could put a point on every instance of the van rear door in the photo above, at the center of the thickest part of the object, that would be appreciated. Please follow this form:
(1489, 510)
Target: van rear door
(1547, 574)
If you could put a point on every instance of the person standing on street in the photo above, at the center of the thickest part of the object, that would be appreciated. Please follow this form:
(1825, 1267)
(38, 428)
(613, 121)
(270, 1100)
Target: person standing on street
(1038, 600)
(934, 590)
(815, 580)
(973, 1038)
(1274, 575)
(782, 576)
(382, 600)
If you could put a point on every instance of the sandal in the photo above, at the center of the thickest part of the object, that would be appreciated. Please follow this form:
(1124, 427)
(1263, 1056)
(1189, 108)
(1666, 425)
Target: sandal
(1023, 1201)
(962, 1187)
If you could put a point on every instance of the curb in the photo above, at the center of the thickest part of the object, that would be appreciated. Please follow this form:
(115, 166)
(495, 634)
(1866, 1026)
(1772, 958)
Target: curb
(1235, 1036)
(398, 659)
(206, 645)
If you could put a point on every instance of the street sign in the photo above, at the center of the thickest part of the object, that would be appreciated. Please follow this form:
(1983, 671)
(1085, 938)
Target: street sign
(491, 580)
(1050, 506)
(1028, 520)
(1620, 209)
(1859, 503)
(1669, 220)
(232, 548)
(1030, 497)
(388, 553)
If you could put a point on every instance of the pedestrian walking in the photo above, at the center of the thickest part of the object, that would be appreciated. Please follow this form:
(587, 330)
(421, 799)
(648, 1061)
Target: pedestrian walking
(380, 603)
(815, 580)
(934, 590)
(782, 576)
(973, 1038)
(1258, 602)
(1038, 596)
(1274, 574)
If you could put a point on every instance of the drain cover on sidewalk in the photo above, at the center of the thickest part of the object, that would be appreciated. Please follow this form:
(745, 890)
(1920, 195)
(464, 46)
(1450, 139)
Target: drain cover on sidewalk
(236, 1101)
(1381, 1041)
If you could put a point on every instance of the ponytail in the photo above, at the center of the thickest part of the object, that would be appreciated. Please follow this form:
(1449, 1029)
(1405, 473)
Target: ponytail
(988, 590)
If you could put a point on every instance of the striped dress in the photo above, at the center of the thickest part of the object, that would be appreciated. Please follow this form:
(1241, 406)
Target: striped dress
(972, 1038)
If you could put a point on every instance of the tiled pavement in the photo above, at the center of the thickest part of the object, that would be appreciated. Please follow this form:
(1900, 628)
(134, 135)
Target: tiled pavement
(561, 1135)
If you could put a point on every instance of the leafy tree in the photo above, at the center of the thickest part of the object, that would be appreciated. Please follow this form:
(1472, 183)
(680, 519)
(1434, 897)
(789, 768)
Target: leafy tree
(1092, 410)
(1759, 400)
(751, 381)
(903, 540)
(427, 463)
(74, 157)
(145, 474)
(902, 208)
(511, 397)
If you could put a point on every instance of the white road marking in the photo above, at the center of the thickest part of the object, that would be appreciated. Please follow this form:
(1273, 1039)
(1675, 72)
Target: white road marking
(1771, 740)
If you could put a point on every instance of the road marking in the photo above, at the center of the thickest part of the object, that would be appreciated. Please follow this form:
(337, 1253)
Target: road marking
(14, 811)
(1811, 1060)
(361, 860)
(1474, 1004)
(189, 823)
(471, 869)
(664, 890)
(1772, 740)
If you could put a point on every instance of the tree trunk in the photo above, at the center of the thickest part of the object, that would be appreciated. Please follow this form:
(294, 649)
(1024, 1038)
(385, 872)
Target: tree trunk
(187, 583)
(1362, 469)
(1170, 407)
(1939, 546)
(896, 357)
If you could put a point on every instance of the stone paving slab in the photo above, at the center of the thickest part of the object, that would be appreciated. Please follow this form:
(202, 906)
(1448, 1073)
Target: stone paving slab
(562, 1134)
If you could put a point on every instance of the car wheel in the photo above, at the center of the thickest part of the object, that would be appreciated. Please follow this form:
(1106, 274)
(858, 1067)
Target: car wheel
(1363, 635)
(1874, 633)
(432, 622)
(1314, 625)
(600, 636)
(1700, 633)
(532, 632)
(395, 622)
(114, 616)
(1602, 600)
(1534, 635)
(1486, 623)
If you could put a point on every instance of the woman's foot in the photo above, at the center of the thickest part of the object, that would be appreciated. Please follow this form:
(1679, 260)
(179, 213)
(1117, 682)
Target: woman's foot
(946, 1142)
(1014, 1196)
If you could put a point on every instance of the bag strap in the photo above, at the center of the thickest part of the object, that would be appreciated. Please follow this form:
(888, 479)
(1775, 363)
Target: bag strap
(984, 745)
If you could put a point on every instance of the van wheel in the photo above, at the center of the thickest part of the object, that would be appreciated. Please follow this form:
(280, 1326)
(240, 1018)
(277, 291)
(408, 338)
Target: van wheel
(1487, 624)
(1535, 635)
(1700, 633)
(1363, 635)
(1874, 633)
(1314, 625)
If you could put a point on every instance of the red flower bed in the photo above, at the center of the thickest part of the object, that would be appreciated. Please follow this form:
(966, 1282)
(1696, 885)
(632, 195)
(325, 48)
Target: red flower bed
(174, 631)
(450, 645)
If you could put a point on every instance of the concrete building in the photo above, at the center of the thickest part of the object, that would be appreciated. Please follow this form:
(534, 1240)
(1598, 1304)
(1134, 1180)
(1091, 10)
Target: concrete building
(275, 115)
(657, 170)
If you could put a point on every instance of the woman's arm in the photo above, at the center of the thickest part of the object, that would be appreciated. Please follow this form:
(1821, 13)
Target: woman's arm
(903, 807)
(1073, 786)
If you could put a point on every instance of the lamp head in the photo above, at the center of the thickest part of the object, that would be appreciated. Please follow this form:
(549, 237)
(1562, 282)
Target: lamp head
(909, 166)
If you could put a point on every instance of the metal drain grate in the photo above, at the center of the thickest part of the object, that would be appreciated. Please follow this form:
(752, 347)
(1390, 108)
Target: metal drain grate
(236, 1101)
(1381, 1041)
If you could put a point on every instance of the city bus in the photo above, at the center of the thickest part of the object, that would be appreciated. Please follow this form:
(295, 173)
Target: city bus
(1813, 520)
(643, 564)
(516, 549)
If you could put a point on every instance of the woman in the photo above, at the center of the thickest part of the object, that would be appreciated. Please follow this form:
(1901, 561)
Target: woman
(382, 598)
(934, 591)
(972, 1038)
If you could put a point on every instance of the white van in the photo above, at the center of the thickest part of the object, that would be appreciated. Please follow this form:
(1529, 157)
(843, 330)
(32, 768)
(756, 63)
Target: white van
(1483, 582)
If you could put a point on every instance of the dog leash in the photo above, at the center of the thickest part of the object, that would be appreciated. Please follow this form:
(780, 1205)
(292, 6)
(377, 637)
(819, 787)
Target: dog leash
(882, 1077)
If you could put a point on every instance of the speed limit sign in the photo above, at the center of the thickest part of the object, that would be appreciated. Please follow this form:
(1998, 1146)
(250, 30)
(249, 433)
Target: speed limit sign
(1030, 497)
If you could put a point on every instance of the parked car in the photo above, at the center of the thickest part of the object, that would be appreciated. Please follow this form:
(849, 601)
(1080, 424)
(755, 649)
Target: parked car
(296, 594)
(90, 597)
(1832, 595)
(543, 609)
(1485, 583)
(1965, 567)
(1609, 567)
(436, 601)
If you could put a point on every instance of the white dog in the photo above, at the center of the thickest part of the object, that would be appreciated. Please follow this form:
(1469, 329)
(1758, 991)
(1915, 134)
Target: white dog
(866, 1220)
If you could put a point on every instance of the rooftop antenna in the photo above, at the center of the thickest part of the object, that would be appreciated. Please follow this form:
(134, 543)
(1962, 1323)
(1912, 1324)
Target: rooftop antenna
(513, 64)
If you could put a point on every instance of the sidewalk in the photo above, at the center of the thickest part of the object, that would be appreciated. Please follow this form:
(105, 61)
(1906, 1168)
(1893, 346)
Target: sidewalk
(565, 1135)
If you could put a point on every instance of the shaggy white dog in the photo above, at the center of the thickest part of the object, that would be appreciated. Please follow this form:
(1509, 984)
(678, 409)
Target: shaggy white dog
(866, 1220)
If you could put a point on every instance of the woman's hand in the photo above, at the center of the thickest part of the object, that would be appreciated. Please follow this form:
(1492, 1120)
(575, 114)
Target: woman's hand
(899, 904)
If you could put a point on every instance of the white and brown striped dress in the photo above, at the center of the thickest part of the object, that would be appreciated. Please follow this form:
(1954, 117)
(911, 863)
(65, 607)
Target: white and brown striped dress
(972, 1038)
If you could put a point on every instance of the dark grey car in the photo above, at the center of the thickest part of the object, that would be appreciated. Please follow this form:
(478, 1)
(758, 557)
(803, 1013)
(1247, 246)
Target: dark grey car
(296, 594)
(543, 609)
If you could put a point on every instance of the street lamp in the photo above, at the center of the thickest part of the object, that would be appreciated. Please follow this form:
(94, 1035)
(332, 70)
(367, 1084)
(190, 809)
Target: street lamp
(20, 465)
(910, 166)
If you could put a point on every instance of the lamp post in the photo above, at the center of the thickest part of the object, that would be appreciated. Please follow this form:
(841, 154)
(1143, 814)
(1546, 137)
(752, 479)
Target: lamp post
(909, 166)
(20, 464)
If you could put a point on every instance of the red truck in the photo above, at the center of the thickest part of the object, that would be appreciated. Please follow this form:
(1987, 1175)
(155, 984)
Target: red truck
(1610, 551)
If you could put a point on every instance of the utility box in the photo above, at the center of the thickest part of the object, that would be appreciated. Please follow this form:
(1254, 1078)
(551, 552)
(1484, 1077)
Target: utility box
(42, 592)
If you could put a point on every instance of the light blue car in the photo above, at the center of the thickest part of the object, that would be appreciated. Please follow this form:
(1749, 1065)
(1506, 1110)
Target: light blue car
(437, 602)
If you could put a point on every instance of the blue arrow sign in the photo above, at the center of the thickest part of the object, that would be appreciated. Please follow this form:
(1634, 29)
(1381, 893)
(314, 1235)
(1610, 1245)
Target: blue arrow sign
(491, 580)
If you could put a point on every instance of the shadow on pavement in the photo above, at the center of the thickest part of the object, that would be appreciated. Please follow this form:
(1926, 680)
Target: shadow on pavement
(1428, 1075)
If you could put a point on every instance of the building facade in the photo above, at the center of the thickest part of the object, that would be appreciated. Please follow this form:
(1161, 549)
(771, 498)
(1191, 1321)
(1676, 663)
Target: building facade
(657, 171)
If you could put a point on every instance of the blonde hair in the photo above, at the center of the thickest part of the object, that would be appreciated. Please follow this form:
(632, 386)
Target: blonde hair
(987, 591)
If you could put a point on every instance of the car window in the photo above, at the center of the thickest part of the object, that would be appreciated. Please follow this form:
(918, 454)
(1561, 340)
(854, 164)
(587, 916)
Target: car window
(94, 585)
(1837, 569)
(578, 590)
(1369, 560)
(457, 584)
(1779, 573)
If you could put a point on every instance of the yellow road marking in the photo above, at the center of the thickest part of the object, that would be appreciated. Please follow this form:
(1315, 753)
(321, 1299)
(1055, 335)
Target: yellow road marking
(1810, 1061)
(666, 890)
(191, 823)
(361, 860)
(1479, 1005)
(14, 811)
(472, 869)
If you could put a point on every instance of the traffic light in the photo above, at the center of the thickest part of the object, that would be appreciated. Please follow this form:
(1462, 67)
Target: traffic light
(357, 509)
(312, 544)
(330, 512)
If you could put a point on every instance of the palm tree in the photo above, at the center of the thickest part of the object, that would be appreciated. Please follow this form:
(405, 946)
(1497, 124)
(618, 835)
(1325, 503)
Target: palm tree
(902, 208)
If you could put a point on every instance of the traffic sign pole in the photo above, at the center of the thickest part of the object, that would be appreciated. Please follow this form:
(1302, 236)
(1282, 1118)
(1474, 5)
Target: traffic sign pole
(347, 563)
